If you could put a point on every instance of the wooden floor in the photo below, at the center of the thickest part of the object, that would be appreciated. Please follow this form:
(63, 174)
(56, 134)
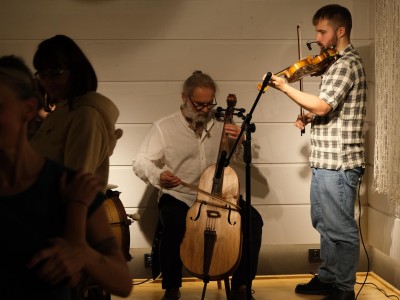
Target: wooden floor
(265, 287)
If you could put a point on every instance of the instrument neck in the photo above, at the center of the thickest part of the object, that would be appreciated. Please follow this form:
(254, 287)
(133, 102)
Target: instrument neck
(224, 148)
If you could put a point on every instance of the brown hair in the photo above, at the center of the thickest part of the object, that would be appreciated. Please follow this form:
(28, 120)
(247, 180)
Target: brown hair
(337, 15)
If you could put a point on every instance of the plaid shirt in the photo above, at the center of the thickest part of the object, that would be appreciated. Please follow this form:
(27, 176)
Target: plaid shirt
(337, 139)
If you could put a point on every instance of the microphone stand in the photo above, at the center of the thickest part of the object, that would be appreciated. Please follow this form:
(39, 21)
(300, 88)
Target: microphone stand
(249, 128)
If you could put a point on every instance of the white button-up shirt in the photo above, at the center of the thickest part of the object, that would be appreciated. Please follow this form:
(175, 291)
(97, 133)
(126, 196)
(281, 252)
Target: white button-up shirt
(172, 145)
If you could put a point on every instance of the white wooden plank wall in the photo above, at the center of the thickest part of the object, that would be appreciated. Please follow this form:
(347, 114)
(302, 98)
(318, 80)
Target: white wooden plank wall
(143, 50)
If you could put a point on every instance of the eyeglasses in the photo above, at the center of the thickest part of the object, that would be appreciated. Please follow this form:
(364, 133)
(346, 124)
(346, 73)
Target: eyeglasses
(49, 74)
(202, 106)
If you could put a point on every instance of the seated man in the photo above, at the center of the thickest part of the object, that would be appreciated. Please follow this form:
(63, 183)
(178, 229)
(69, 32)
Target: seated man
(179, 148)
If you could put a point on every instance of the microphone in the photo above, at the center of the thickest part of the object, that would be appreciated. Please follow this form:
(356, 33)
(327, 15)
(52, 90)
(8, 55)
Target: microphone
(316, 42)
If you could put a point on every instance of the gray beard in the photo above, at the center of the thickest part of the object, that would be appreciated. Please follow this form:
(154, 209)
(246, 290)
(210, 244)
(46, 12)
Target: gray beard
(200, 122)
(197, 121)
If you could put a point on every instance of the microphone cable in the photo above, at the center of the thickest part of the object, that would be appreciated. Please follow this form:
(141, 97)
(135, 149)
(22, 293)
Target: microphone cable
(360, 180)
(364, 247)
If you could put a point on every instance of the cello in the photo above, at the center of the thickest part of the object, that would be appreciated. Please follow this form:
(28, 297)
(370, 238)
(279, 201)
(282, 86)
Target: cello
(211, 247)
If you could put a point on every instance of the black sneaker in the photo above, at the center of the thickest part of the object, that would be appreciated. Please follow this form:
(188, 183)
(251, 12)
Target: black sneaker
(315, 287)
(341, 295)
(171, 294)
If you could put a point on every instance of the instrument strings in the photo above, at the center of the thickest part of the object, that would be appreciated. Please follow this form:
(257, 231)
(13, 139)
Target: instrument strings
(213, 197)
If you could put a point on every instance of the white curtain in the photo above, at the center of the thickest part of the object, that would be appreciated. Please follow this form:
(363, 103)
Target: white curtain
(387, 99)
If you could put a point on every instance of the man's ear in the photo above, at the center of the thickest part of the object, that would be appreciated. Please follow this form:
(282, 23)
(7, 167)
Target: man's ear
(341, 31)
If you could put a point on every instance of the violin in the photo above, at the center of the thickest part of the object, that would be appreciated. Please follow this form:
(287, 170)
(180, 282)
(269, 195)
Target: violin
(309, 66)
(211, 247)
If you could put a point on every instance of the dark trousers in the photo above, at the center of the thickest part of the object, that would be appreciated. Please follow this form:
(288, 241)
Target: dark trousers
(173, 221)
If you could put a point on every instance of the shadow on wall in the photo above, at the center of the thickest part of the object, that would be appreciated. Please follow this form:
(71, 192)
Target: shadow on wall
(305, 151)
(148, 211)
(259, 185)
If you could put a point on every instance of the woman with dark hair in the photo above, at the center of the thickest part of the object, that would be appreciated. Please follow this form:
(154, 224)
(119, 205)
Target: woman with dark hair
(50, 216)
(80, 133)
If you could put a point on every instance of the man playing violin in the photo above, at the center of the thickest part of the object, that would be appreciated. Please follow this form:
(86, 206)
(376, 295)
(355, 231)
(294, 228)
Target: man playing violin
(337, 154)
(179, 148)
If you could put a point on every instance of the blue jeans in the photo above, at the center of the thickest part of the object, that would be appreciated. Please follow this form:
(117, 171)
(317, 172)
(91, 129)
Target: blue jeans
(333, 195)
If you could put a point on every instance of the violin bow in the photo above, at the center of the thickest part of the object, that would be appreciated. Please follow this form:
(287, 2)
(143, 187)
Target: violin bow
(301, 80)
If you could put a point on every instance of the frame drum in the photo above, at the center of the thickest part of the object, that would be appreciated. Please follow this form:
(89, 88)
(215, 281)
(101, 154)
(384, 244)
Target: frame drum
(119, 221)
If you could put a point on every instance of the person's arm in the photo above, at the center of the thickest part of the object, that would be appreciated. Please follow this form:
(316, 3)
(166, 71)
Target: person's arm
(64, 260)
(307, 101)
(148, 163)
(97, 253)
(104, 261)
(78, 195)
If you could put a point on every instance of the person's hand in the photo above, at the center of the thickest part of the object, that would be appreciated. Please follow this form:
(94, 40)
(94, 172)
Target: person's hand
(232, 130)
(302, 121)
(277, 82)
(82, 188)
(62, 262)
(169, 180)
